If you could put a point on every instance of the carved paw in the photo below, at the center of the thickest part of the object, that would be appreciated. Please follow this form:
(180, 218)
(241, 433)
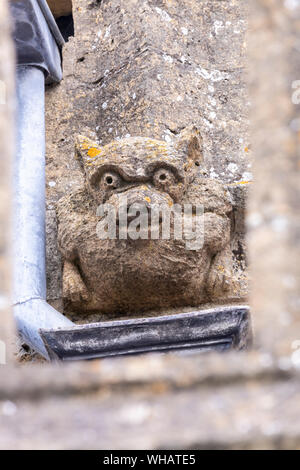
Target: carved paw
(218, 282)
(220, 279)
(74, 291)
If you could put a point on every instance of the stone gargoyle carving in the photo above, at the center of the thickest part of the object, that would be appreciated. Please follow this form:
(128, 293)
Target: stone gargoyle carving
(115, 275)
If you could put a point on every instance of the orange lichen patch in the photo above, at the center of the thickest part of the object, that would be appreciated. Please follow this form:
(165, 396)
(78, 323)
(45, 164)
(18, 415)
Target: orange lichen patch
(246, 149)
(147, 198)
(221, 268)
(93, 152)
(170, 203)
(84, 144)
(239, 182)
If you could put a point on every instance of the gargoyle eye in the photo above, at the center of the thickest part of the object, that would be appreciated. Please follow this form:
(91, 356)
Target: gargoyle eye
(110, 180)
(163, 176)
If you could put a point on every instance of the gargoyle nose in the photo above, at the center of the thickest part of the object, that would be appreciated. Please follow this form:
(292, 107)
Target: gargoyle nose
(142, 200)
(134, 208)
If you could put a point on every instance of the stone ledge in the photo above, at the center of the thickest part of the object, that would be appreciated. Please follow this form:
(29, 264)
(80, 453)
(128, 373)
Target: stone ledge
(213, 402)
(145, 372)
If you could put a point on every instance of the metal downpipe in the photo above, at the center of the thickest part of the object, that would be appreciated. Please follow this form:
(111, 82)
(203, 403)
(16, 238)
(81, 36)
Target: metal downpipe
(31, 310)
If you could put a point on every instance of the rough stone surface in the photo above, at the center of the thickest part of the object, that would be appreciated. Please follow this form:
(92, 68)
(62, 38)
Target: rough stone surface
(150, 69)
(53, 263)
(6, 153)
(154, 402)
(135, 275)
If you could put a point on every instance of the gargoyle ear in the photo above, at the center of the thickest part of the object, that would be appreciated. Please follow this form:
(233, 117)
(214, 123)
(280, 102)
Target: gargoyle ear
(189, 141)
(87, 151)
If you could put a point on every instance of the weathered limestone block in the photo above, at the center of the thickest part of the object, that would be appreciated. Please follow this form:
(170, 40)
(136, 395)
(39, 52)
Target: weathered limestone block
(150, 69)
(142, 270)
(6, 153)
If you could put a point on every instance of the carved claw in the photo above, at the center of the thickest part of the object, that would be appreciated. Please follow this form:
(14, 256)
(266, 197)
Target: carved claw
(74, 288)
(220, 279)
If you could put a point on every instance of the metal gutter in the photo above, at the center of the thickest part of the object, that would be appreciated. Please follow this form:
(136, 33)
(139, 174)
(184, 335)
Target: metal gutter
(218, 329)
(51, 22)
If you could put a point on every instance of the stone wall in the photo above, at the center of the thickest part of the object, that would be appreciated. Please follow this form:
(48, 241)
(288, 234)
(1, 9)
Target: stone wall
(151, 68)
(6, 152)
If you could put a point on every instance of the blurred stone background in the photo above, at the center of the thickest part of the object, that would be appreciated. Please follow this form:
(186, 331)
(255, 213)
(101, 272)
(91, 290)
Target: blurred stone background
(230, 401)
(6, 154)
